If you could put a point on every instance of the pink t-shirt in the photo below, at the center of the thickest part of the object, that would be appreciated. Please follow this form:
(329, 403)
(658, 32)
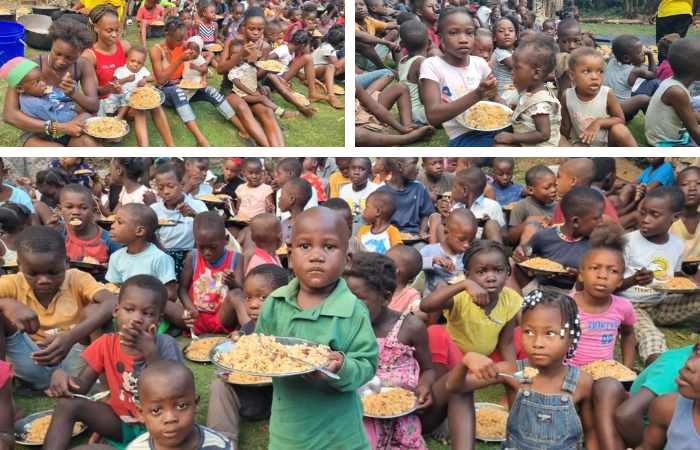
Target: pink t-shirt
(252, 200)
(261, 257)
(599, 331)
(143, 14)
(402, 300)
(455, 82)
(664, 71)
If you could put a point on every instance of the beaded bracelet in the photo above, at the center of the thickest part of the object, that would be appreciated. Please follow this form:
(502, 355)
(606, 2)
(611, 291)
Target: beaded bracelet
(47, 127)
(55, 127)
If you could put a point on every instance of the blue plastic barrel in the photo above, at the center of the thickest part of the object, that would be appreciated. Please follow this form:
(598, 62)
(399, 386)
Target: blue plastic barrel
(10, 44)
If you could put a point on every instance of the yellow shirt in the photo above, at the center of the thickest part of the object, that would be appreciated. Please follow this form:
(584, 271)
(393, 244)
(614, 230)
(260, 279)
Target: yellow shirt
(691, 241)
(76, 292)
(472, 330)
(269, 12)
(118, 5)
(675, 7)
(372, 26)
(335, 182)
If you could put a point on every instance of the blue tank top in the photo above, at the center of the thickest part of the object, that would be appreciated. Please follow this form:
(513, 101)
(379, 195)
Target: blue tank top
(682, 434)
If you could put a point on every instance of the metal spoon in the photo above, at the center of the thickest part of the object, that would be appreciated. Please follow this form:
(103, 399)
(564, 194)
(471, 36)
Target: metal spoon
(375, 385)
(517, 376)
(94, 398)
(194, 336)
(318, 368)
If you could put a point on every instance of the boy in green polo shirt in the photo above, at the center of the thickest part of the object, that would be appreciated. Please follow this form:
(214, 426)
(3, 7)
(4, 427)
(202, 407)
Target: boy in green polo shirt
(314, 411)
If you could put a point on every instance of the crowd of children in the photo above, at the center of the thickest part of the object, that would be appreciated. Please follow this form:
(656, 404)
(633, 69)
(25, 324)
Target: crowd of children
(562, 90)
(231, 38)
(414, 276)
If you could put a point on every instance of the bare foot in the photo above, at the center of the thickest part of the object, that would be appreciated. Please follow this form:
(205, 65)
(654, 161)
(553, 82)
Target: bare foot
(309, 112)
(289, 114)
(334, 102)
(203, 142)
(318, 97)
(442, 433)
(423, 134)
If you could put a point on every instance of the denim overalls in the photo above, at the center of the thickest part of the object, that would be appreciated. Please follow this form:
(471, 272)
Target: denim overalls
(545, 421)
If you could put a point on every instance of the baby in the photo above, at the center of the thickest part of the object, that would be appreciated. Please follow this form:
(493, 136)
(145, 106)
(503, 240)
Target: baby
(38, 100)
(197, 68)
(133, 74)
(245, 83)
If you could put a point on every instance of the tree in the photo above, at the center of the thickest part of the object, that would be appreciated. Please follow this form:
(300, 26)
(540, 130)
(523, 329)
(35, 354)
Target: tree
(24, 167)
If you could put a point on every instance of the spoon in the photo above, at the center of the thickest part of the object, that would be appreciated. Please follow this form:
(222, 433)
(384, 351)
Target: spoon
(194, 336)
(517, 376)
(375, 385)
(97, 397)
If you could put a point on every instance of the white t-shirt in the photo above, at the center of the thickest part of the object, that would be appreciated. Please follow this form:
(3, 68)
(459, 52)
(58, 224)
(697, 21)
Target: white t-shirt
(356, 199)
(322, 53)
(483, 14)
(283, 54)
(179, 237)
(191, 74)
(481, 206)
(286, 215)
(123, 72)
(665, 258)
(455, 83)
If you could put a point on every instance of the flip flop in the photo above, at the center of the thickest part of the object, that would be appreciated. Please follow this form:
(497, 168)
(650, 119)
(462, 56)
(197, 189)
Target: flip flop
(249, 142)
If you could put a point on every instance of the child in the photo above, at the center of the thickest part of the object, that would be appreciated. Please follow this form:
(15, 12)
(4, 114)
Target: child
(379, 236)
(121, 357)
(127, 172)
(434, 178)
(539, 205)
(483, 14)
(14, 218)
(687, 227)
(186, 17)
(208, 30)
(295, 195)
(287, 169)
(566, 243)
(228, 182)
(308, 172)
(404, 353)
(529, 21)
(266, 234)
(40, 101)
(211, 279)
(194, 175)
(359, 188)
(505, 37)
(42, 305)
(591, 115)
(624, 69)
(569, 39)
(270, 33)
(374, 39)
(327, 54)
(659, 173)
(49, 184)
(254, 197)
(168, 387)
(232, 22)
(483, 47)
(176, 207)
(443, 261)
(654, 255)
(664, 70)
(444, 79)
(340, 206)
(340, 178)
(294, 23)
(133, 74)
(413, 203)
(428, 12)
(549, 27)
(559, 394)
(537, 117)
(229, 402)
(246, 85)
(344, 325)
(507, 191)
(409, 263)
(480, 310)
(671, 101)
(73, 165)
(197, 68)
(150, 12)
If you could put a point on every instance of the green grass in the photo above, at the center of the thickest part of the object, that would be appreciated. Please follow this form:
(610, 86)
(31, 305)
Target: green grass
(301, 131)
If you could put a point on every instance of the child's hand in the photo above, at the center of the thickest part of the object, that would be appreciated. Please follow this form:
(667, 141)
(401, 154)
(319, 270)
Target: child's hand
(190, 317)
(519, 254)
(337, 359)
(425, 398)
(142, 82)
(55, 348)
(443, 207)
(445, 263)
(477, 293)
(643, 276)
(590, 133)
(185, 210)
(504, 138)
(488, 88)
(55, 222)
(138, 339)
(269, 206)
(22, 317)
(407, 129)
(229, 278)
(481, 366)
(61, 385)
(641, 192)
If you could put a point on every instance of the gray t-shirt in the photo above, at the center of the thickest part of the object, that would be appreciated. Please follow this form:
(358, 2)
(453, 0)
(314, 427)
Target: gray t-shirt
(321, 54)
(447, 180)
(500, 70)
(616, 77)
(528, 207)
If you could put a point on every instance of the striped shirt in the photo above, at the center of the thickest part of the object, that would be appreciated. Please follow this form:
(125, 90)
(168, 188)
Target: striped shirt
(209, 440)
(207, 33)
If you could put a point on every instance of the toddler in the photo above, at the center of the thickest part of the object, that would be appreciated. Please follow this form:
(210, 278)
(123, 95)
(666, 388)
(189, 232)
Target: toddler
(266, 234)
(133, 74)
(483, 47)
(254, 197)
(295, 195)
(379, 236)
(197, 68)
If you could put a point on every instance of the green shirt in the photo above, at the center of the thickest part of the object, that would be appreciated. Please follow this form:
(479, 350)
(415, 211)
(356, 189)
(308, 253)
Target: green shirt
(321, 414)
(660, 377)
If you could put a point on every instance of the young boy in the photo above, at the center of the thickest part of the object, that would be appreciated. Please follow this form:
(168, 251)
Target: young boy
(371, 49)
(624, 69)
(270, 34)
(43, 302)
(409, 264)
(653, 255)
(211, 280)
(319, 256)
(580, 172)
(167, 406)
(287, 169)
(228, 402)
(443, 261)
(266, 234)
(415, 39)
(434, 178)
(413, 203)
(294, 197)
(538, 206)
(379, 236)
(308, 173)
(340, 178)
(507, 191)
(428, 12)
(121, 356)
(193, 175)
(360, 188)
(688, 227)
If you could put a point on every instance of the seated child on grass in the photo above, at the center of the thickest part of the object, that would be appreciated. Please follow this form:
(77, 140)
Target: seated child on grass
(254, 197)
(624, 69)
(211, 280)
(672, 121)
(664, 71)
(39, 100)
(43, 303)
(229, 402)
(569, 38)
(344, 326)
(196, 69)
(507, 191)
(409, 263)
(414, 37)
(266, 234)
(133, 74)
(436, 180)
(539, 205)
(295, 195)
(379, 236)
(149, 12)
(122, 357)
(340, 206)
(167, 399)
(373, 40)
(357, 191)
(208, 29)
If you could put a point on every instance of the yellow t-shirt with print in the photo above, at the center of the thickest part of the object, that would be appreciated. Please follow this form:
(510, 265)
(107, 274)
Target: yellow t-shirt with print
(471, 328)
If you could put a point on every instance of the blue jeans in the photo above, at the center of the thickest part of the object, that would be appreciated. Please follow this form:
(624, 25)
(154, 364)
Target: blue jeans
(19, 350)
(225, 8)
(475, 139)
(174, 96)
(401, 7)
(367, 78)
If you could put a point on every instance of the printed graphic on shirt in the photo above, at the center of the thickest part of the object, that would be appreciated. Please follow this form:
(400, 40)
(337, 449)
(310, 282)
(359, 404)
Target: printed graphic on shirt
(663, 271)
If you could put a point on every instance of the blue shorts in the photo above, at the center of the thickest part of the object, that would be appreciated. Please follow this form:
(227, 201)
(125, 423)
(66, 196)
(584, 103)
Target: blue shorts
(475, 139)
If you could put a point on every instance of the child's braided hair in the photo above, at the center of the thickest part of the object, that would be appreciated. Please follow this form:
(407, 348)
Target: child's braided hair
(484, 246)
(569, 314)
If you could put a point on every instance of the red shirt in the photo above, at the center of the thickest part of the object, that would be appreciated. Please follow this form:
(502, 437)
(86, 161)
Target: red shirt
(609, 211)
(316, 184)
(207, 291)
(144, 14)
(95, 248)
(107, 64)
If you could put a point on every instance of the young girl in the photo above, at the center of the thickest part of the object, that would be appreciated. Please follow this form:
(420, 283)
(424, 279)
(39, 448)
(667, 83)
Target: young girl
(127, 172)
(590, 113)
(208, 30)
(148, 13)
(49, 183)
(404, 354)
(197, 68)
(327, 65)
(254, 197)
(480, 311)
(505, 36)
(529, 23)
(13, 219)
(186, 17)
(558, 399)
(664, 70)
(537, 117)
(688, 227)
(294, 23)
(232, 22)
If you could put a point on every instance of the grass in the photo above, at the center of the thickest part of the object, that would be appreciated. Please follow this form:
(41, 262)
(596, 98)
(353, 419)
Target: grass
(301, 131)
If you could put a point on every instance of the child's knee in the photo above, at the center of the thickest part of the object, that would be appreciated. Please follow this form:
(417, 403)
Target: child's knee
(608, 390)
(67, 406)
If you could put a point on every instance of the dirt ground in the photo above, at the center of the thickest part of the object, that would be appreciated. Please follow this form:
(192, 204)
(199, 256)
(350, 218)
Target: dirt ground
(625, 168)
